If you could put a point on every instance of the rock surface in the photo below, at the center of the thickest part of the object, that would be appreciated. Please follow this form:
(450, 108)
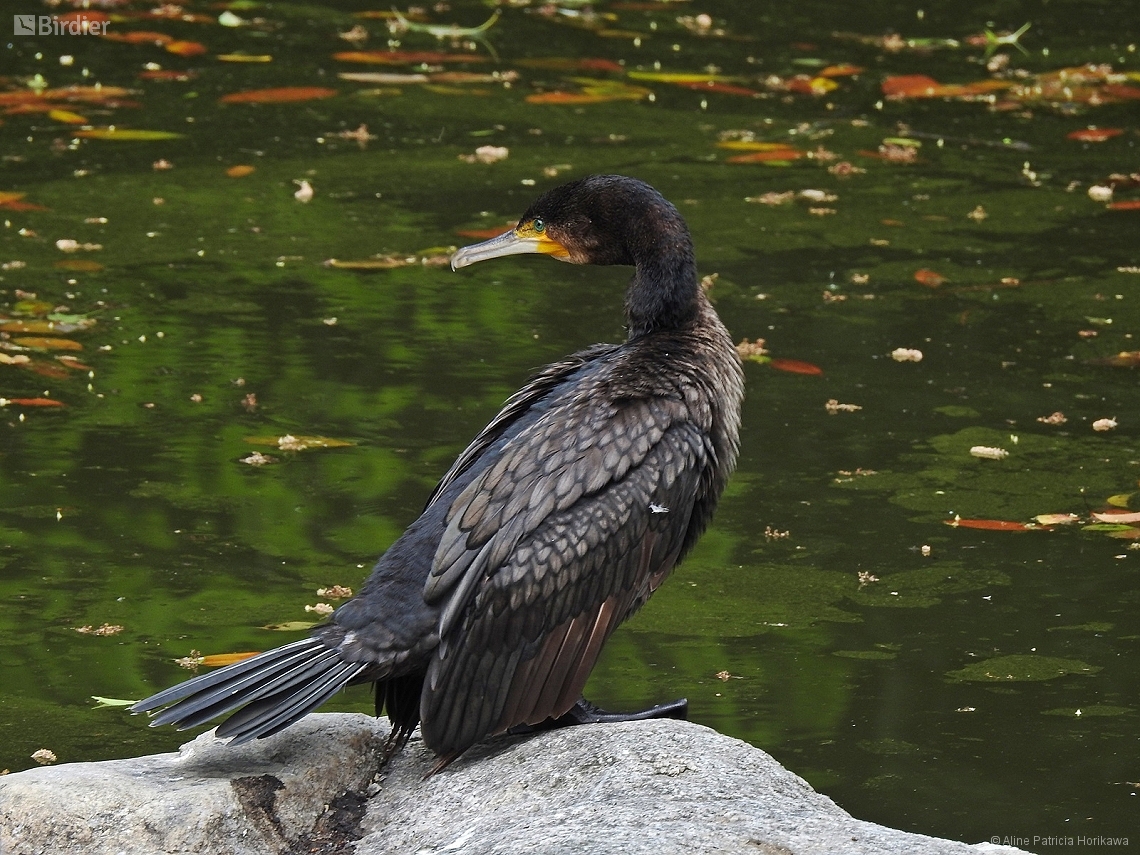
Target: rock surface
(640, 787)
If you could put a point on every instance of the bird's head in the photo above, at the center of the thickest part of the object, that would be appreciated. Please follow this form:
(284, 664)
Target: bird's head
(601, 219)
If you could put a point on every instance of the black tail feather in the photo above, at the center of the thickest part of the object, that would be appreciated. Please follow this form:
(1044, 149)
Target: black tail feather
(276, 687)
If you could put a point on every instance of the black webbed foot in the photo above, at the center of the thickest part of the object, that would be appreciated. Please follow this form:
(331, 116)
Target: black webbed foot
(584, 712)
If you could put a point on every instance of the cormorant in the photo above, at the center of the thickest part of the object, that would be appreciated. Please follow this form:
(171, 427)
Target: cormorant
(557, 522)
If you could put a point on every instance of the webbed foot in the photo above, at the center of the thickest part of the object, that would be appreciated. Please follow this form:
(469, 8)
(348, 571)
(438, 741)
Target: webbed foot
(584, 712)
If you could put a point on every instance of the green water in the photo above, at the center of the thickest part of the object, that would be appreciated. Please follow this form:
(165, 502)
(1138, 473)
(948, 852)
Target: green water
(986, 689)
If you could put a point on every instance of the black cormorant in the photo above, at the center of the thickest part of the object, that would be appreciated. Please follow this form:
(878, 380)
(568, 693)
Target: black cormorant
(556, 523)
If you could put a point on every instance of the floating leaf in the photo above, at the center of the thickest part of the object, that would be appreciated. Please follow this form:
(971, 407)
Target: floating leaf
(73, 363)
(806, 85)
(1117, 517)
(279, 95)
(34, 402)
(396, 57)
(78, 265)
(779, 155)
(298, 443)
(218, 660)
(245, 57)
(1109, 527)
(240, 171)
(139, 37)
(1124, 359)
(1056, 519)
(1126, 205)
(127, 134)
(67, 117)
(795, 366)
(103, 703)
(1120, 500)
(682, 78)
(43, 343)
(1094, 134)
(558, 63)
(184, 48)
(929, 278)
(989, 525)
(842, 70)
(291, 626)
(164, 74)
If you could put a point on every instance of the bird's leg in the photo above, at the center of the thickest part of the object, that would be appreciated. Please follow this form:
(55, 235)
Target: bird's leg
(584, 712)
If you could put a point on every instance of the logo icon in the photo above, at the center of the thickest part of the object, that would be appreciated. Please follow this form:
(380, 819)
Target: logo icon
(24, 25)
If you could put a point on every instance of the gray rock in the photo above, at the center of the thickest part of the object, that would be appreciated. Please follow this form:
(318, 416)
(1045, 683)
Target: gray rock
(639, 788)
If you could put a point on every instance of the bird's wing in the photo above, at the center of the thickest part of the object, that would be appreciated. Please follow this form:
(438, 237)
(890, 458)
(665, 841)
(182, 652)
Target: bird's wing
(581, 516)
(517, 405)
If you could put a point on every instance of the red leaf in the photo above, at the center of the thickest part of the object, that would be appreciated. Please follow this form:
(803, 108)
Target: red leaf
(1126, 205)
(1093, 134)
(281, 95)
(989, 525)
(795, 366)
(722, 88)
(1120, 90)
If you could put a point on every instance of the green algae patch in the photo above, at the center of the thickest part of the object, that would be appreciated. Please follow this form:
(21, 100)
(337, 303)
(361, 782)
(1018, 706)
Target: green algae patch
(1020, 668)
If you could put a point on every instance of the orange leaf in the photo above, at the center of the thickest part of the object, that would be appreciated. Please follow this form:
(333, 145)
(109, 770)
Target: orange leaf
(989, 525)
(568, 98)
(85, 15)
(182, 48)
(73, 363)
(779, 154)
(843, 70)
(42, 343)
(1124, 359)
(795, 366)
(1126, 205)
(240, 171)
(36, 402)
(1093, 134)
(167, 74)
(281, 95)
(219, 659)
(929, 278)
(909, 86)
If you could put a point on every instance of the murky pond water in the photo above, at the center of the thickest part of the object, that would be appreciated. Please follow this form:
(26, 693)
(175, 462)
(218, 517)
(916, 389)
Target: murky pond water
(973, 681)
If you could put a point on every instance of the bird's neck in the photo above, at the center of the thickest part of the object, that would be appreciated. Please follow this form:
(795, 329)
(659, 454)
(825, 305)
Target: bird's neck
(664, 292)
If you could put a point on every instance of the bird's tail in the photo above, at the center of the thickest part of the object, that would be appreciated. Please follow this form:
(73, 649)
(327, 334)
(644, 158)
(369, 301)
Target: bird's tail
(276, 688)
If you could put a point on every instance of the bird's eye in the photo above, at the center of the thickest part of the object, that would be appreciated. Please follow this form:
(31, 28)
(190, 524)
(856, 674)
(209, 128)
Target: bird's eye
(539, 226)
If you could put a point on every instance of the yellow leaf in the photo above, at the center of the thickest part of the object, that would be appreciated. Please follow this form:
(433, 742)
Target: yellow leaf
(67, 117)
(126, 134)
(219, 659)
(681, 77)
(1120, 500)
